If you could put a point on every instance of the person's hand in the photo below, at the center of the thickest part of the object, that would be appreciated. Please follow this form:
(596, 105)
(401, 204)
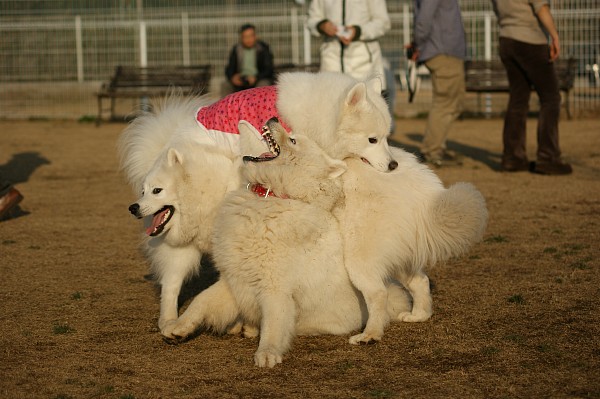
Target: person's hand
(251, 80)
(412, 51)
(346, 40)
(554, 48)
(237, 80)
(328, 28)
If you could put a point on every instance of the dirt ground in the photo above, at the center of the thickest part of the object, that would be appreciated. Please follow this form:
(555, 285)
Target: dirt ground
(518, 317)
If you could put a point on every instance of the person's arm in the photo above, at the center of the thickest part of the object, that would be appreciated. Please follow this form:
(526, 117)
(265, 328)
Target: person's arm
(231, 68)
(378, 24)
(424, 21)
(265, 63)
(318, 23)
(545, 17)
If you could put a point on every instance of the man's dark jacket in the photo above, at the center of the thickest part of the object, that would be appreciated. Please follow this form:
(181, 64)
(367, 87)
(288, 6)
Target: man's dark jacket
(264, 61)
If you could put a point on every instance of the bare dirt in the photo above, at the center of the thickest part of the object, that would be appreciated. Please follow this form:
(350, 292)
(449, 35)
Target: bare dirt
(518, 317)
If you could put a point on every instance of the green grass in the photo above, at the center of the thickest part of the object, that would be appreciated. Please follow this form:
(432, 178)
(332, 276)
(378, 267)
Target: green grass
(517, 299)
(60, 329)
(496, 239)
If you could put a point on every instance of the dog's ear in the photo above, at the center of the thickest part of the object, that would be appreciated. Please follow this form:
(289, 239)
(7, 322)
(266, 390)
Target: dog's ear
(336, 168)
(251, 142)
(356, 94)
(375, 84)
(174, 157)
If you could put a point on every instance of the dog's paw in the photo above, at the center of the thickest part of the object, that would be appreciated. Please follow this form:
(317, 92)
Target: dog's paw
(415, 317)
(176, 330)
(249, 331)
(267, 358)
(364, 339)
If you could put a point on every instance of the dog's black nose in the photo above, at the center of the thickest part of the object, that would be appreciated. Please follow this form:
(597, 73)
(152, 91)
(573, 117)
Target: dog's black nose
(134, 209)
(393, 165)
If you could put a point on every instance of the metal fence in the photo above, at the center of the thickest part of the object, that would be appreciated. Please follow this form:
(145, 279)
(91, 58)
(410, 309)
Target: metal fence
(53, 58)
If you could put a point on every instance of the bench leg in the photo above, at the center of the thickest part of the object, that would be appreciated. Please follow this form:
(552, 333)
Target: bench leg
(99, 118)
(567, 105)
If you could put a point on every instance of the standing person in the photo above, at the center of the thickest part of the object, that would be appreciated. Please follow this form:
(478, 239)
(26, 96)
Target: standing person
(9, 198)
(439, 42)
(351, 30)
(250, 62)
(528, 59)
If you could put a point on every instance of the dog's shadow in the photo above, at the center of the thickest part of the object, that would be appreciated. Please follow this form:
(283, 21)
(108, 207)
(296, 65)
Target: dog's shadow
(489, 158)
(18, 170)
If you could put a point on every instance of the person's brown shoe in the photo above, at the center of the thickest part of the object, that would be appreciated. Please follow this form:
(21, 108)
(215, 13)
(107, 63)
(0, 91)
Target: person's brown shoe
(552, 168)
(9, 201)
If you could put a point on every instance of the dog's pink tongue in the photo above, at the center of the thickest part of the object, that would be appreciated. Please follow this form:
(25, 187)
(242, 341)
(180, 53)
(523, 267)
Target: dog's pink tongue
(156, 221)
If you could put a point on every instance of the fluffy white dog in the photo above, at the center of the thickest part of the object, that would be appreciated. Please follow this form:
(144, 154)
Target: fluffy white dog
(279, 251)
(395, 225)
(347, 118)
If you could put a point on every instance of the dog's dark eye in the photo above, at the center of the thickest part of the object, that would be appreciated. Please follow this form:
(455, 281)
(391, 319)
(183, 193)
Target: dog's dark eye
(293, 140)
(373, 140)
(156, 191)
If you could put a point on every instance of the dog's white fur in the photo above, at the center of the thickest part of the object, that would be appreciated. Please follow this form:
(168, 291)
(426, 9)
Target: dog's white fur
(395, 225)
(281, 258)
(347, 118)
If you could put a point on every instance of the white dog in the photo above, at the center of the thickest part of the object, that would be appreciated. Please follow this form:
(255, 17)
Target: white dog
(396, 224)
(279, 252)
(347, 118)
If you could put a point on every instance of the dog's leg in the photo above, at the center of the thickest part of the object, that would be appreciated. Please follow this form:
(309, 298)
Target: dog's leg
(418, 287)
(174, 265)
(375, 293)
(277, 328)
(214, 308)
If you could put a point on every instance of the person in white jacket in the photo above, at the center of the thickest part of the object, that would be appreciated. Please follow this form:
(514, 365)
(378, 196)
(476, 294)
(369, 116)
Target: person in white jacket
(351, 30)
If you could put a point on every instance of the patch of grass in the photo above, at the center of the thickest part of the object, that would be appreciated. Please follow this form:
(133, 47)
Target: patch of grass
(516, 338)
(489, 350)
(76, 296)
(62, 329)
(517, 299)
(380, 393)
(8, 242)
(63, 396)
(127, 396)
(496, 239)
(580, 265)
(34, 247)
(550, 250)
(87, 119)
(558, 280)
(474, 257)
(344, 366)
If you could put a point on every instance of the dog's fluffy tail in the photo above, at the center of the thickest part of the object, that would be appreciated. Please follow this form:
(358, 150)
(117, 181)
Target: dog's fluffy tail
(458, 220)
(150, 132)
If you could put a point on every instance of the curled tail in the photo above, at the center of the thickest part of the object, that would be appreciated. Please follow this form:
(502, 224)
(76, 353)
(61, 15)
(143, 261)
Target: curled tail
(148, 135)
(458, 218)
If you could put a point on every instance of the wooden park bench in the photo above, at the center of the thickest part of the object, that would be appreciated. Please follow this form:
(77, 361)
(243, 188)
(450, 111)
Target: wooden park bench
(490, 77)
(140, 82)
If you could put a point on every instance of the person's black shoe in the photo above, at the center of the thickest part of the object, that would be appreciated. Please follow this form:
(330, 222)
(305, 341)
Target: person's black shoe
(552, 168)
(516, 166)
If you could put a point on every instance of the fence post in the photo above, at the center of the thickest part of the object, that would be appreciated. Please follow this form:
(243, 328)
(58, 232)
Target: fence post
(406, 24)
(307, 55)
(487, 24)
(79, 46)
(143, 45)
(295, 40)
(185, 38)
